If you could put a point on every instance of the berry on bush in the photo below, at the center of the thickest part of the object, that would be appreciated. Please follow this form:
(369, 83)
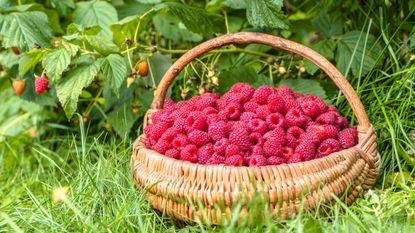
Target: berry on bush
(41, 84)
(19, 86)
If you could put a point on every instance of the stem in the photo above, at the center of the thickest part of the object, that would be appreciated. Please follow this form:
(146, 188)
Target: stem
(139, 21)
(129, 59)
(225, 14)
(92, 104)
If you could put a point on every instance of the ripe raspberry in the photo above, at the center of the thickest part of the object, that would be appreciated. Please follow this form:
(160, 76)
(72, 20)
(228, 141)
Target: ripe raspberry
(274, 160)
(199, 137)
(234, 160)
(173, 153)
(181, 104)
(189, 153)
(209, 111)
(180, 141)
(215, 159)
(293, 136)
(240, 137)
(205, 101)
(319, 101)
(154, 131)
(247, 116)
(327, 147)
(341, 122)
(256, 160)
(261, 94)
(184, 112)
(257, 150)
(169, 104)
(287, 152)
(310, 137)
(348, 137)
(262, 111)
(272, 148)
(295, 117)
(212, 118)
(244, 89)
(295, 158)
(233, 111)
(168, 136)
(275, 120)
(162, 146)
(276, 103)
(195, 121)
(331, 108)
(220, 146)
(218, 130)
(231, 125)
(310, 108)
(204, 153)
(232, 150)
(162, 115)
(41, 84)
(328, 118)
(323, 131)
(278, 134)
(307, 150)
(179, 125)
(150, 142)
(192, 102)
(285, 92)
(258, 126)
(236, 98)
(256, 139)
(330, 131)
(291, 104)
(250, 106)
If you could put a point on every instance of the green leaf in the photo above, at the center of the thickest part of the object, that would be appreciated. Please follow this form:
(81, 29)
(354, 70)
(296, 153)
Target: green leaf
(46, 99)
(24, 29)
(70, 87)
(158, 65)
(356, 51)
(326, 48)
(305, 86)
(132, 9)
(197, 20)
(171, 28)
(56, 62)
(96, 13)
(29, 60)
(115, 70)
(236, 4)
(244, 74)
(149, 1)
(71, 48)
(122, 119)
(102, 45)
(124, 29)
(54, 21)
(329, 24)
(266, 14)
(64, 7)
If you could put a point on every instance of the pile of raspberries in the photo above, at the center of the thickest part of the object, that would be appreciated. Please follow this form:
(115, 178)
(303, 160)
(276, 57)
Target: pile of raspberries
(249, 127)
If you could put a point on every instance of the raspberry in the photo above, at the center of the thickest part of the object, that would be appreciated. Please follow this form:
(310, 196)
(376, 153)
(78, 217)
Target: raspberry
(272, 148)
(212, 118)
(247, 116)
(341, 121)
(236, 98)
(250, 106)
(262, 111)
(287, 152)
(180, 141)
(307, 150)
(297, 95)
(274, 160)
(319, 101)
(199, 137)
(295, 158)
(19, 86)
(261, 94)
(215, 159)
(41, 84)
(150, 142)
(257, 125)
(328, 118)
(204, 153)
(309, 137)
(205, 101)
(331, 108)
(295, 117)
(233, 111)
(327, 147)
(234, 160)
(161, 146)
(256, 160)
(168, 136)
(257, 150)
(231, 125)
(330, 131)
(179, 125)
(195, 121)
(181, 104)
(240, 137)
(291, 104)
(169, 104)
(210, 111)
(232, 150)
(278, 135)
(184, 112)
(218, 130)
(285, 92)
(256, 139)
(348, 137)
(310, 108)
(275, 120)
(323, 131)
(162, 116)
(173, 153)
(220, 146)
(154, 131)
(244, 89)
(293, 136)
(189, 153)
(276, 103)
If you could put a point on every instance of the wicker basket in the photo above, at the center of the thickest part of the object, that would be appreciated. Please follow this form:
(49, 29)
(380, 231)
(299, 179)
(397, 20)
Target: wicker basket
(182, 189)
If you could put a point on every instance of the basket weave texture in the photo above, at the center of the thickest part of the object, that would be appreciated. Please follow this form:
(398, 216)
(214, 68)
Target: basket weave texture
(180, 188)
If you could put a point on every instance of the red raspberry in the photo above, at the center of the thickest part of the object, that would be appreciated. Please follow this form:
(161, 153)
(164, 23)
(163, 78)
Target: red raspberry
(195, 121)
(309, 137)
(231, 125)
(154, 131)
(276, 103)
(319, 101)
(169, 104)
(204, 153)
(297, 95)
(277, 134)
(232, 150)
(240, 137)
(179, 125)
(234, 160)
(220, 146)
(341, 122)
(275, 120)
(209, 111)
(258, 126)
(181, 104)
(310, 108)
(218, 130)
(261, 94)
(256, 160)
(180, 141)
(293, 136)
(330, 131)
(327, 147)
(285, 92)
(250, 106)
(212, 118)
(256, 139)
(220, 104)
(189, 153)
(275, 160)
(307, 150)
(244, 89)
(199, 137)
(295, 117)
(184, 112)
(257, 150)
(247, 116)
(331, 108)
(328, 118)
(173, 153)
(41, 84)
(233, 111)
(229, 98)
(162, 115)
(291, 104)
(287, 152)
(295, 158)
(205, 101)
(262, 111)
(215, 159)
(272, 148)
(323, 131)
(348, 137)
(150, 142)
(162, 146)
(192, 102)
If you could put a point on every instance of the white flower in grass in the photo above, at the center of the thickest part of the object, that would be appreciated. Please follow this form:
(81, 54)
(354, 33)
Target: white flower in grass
(60, 194)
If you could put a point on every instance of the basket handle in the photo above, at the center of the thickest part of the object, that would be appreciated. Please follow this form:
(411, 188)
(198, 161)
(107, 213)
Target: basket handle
(275, 42)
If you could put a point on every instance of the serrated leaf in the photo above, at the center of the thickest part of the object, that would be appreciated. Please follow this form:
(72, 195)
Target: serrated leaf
(328, 24)
(96, 13)
(171, 28)
(74, 28)
(326, 48)
(71, 48)
(70, 87)
(197, 20)
(132, 9)
(305, 86)
(266, 14)
(115, 70)
(102, 45)
(236, 4)
(244, 74)
(29, 60)
(64, 7)
(122, 119)
(56, 62)
(54, 21)
(351, 52)
(24, 29)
